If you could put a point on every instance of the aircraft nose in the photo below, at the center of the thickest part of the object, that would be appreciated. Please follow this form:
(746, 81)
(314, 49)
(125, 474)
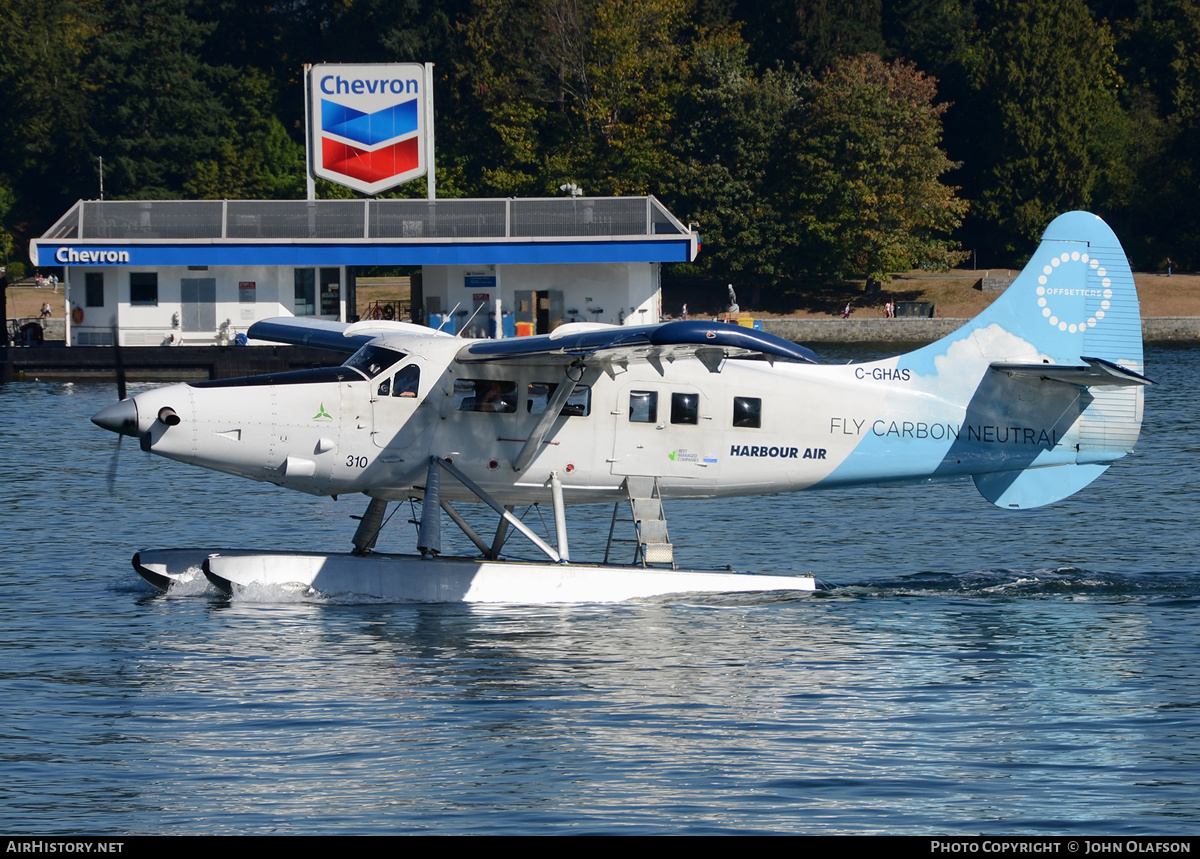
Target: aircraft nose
(121, 417)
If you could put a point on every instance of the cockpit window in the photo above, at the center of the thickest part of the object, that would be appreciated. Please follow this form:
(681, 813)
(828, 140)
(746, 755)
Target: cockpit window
(373, 360)
(405, 383)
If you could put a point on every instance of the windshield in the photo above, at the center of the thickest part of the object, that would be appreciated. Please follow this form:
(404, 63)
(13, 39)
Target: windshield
(373, 360)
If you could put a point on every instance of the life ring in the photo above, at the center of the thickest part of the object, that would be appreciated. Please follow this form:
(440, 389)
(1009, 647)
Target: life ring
(77, 315)
(376, 313)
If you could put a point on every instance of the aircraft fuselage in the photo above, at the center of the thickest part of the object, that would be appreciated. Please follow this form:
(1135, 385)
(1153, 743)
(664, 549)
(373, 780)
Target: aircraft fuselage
(752, 427)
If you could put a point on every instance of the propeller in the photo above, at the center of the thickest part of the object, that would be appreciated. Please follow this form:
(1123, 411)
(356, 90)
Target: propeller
(118, 362)
(121, 417)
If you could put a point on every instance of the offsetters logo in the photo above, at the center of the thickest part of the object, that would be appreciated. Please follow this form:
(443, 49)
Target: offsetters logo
(368, 124)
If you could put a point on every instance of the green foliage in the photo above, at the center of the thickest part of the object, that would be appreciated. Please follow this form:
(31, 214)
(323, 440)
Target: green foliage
(867, 183)
(726, 175)
(1048, 129)
(7, 200)
(754, 120)
(812, 34)
(43, 106)
(159, 113)
(255, 159)
(571, 90)
(1160, 66)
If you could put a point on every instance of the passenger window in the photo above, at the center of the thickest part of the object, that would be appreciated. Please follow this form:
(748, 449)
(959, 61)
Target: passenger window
(685, 408)
(747, 412)
(485, 395)
(578, 405)
(408, 382)
(643, 407)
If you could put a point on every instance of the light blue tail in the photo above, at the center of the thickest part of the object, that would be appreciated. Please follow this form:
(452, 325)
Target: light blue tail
(1075, 298)
(1036, 396)
(1074, 305)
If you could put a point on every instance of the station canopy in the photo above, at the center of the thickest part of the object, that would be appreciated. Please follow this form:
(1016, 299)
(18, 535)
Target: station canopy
(365, 232)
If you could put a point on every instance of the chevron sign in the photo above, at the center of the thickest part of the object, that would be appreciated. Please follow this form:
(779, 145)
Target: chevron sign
(368, 124)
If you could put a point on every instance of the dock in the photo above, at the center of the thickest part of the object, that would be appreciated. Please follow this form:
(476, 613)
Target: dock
(59, 362)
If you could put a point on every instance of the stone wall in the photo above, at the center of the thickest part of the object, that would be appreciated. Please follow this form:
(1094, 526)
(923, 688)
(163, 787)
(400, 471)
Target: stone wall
(52, 329)
(996, 282)
(1172, 329)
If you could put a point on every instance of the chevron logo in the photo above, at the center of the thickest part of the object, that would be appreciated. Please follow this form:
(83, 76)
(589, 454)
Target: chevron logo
(370, 165)
(363, 137)
(369, 129)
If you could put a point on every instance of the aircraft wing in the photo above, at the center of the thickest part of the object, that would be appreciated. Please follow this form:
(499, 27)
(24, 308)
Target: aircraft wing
(343, 337)
(299, 331)
(1095, 372)
(594, 344)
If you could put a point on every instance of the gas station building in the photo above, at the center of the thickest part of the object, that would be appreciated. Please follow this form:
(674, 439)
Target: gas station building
(200, 272)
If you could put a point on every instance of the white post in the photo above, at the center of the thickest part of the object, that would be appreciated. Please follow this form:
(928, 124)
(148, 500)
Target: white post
(67, 301)
(310, 183)
(430, 180)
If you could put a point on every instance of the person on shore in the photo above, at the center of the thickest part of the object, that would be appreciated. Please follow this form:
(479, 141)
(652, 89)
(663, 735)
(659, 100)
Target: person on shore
(46, 310)
(846, 312)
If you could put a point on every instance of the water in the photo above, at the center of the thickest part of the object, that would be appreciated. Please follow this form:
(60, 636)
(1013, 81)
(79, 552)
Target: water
(976, 670)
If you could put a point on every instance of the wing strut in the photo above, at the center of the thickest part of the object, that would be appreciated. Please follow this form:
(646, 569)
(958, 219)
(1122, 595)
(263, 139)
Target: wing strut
(565, 388)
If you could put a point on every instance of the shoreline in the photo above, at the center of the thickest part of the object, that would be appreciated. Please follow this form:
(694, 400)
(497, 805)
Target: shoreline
(1155, 329)
(55, 361)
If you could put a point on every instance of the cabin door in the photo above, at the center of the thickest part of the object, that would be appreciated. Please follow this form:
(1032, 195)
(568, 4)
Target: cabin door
(666, 430)
(399, 410)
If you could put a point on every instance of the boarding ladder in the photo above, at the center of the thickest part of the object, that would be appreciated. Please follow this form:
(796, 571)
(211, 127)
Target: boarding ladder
(649, 524)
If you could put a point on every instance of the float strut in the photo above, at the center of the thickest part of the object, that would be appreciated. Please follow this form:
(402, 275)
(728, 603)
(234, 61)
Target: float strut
(501, 533)
(560, 517)
(505, 513)
(429, 535)
(368, 526)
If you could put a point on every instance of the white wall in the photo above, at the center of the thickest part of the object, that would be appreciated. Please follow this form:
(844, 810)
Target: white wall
(159, 324)
(621, 290)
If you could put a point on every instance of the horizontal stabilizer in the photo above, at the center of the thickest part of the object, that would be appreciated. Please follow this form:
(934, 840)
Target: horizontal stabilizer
(709, 341)
(1034, 487)
(1095, 372)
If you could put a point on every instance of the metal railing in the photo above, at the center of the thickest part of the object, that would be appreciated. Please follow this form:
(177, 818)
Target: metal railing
(326, 220)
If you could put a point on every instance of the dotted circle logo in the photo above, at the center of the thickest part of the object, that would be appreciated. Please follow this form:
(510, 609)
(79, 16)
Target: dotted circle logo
(1048, 272)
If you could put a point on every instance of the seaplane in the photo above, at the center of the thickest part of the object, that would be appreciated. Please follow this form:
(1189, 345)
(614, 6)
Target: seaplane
(1032, 401)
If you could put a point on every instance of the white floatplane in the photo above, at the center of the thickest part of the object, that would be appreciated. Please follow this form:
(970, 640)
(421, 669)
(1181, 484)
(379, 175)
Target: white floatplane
(1033, 400)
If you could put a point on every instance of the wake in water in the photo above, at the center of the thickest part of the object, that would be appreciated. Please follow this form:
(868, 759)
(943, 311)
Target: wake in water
(1032, 584)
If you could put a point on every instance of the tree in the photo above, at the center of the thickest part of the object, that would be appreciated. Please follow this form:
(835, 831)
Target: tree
(158, 115)
(256, 159)
(868, 166)
(579, 90)
(1159, 64)
(43, 108)
(730, 128)
(1046, 129)
(811, 33)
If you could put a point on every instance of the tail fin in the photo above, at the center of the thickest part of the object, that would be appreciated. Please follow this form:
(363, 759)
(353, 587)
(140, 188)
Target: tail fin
(1059, 354)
